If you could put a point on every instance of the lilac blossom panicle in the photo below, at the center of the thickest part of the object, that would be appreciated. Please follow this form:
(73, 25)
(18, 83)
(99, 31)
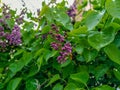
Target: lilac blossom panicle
(67, 47)
(1, 28)
(6, 12)
(66, 51)
(72, 11)
(19, 20)
(54, 28)
(59, 37)
(55, 46)
(3, 46)
(15, 37)
(1, 20)
(2, 34)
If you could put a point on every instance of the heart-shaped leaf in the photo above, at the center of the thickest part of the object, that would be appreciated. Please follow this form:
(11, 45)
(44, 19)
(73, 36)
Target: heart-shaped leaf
(100, 39)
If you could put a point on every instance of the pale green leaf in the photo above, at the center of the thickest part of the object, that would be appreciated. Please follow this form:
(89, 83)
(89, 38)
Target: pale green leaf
(113, 7)
(101, 39)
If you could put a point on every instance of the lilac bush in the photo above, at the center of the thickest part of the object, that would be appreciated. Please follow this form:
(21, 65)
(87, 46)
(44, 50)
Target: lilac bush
(58, 54)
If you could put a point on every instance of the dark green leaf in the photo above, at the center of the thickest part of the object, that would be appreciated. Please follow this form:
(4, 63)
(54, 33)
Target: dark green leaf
(116, 73)
(18, 65)
(31, 84)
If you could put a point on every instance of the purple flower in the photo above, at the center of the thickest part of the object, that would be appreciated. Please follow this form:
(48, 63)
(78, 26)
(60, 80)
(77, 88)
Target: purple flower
(19, 20)
(38, 12)
(59, 37)
(61, 59)
(7, 16)
(3, 44)
(44, 36)
(55, 45)
(66, 51)
(15, 37)
(1, 20)
(16, 28)
(2, 34)
(72, 11)
(1, 28)
(64, 54)
(54, 27)
(67, 47)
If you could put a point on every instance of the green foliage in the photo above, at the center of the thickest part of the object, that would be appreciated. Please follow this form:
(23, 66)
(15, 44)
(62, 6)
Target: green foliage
(113, 8)
(93, 64)
(13, 84)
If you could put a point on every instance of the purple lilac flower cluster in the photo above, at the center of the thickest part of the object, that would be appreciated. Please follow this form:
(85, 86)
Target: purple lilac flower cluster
(12, 38)
(20, 18)
(65, 52)
(8, 37)
(59, 44)
(2, 41)
(15, 37)
(72, 11)
(6, 11)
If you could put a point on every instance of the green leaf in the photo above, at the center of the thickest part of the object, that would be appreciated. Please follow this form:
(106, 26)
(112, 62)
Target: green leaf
(90, 55)
(66, 63)
(101, 39)
(113, 7)
(104, 87)
(93, 18)
(31, 84)
(63, 18)
(81, 77)
(67, 69)
(48, 54)
(53, 79)
(44, 10)
(28, 26)
(79, 49)
(34, 69)
(113, 53)
(69, 26)
(13, 84)
(77, 32)
(39, 52)
(58, 87)
(28, 36)
(40, 61)
(18, 52)
(18, 65)
(100, 70)
(116, 73)
(71, 86)
(46, 29)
